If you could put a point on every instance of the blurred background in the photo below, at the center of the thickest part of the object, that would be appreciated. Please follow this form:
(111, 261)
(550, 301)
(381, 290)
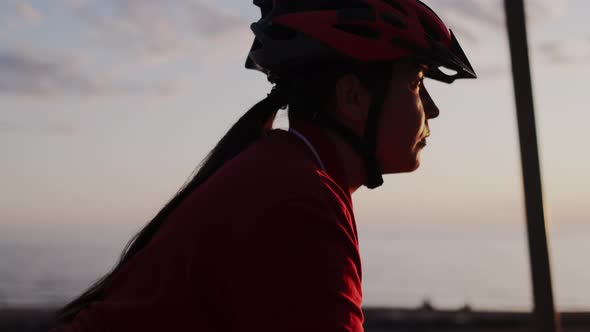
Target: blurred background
(106, 107)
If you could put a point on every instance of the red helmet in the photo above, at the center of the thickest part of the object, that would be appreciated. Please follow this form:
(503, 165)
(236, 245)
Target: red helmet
(358, 30)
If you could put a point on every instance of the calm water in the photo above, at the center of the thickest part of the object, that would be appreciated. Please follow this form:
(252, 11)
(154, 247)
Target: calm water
(484, 266)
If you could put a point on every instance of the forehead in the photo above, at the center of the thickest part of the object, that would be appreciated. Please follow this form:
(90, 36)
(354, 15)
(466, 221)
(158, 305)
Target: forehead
(410, 62)
(408, 67)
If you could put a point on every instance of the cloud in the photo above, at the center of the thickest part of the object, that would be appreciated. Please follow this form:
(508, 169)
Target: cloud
(25, 74)
(53, 128)
(62, 129)
(566, 51)
(129, 47)
(493, 71)
(73, 4)
(558, 52)
(15, 12)
(27, 12)
(480, 26)
(8, 127)
(212, 22)
(133, 29)
(157, 31)
(478, 21)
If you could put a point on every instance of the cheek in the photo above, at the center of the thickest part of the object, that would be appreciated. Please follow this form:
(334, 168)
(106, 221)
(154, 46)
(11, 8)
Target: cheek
(402, 123)
(401, 127)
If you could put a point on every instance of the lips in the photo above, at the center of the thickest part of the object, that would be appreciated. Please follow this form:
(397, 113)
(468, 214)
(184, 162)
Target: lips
(422, 142)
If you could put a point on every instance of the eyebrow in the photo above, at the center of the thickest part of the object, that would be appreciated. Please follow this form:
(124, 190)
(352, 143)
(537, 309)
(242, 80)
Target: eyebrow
(421, 70)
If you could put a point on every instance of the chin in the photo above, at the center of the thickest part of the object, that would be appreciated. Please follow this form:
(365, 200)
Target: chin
(403, 167)
(414, 161)
(412, 166)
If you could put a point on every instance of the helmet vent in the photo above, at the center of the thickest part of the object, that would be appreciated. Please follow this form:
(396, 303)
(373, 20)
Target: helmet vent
(394, 20)
(356, 14)
(359, 30)
(291, 6)
(448, 71)
(279, 32)
(396, 5)
(400, 43)
(430, 32)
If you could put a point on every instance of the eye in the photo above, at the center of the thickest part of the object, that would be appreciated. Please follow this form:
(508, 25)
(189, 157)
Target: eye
(419, 78)
(417, 83)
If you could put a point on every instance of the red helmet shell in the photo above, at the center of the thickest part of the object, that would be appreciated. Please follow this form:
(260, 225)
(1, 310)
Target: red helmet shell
(358, 30)
(393, 40)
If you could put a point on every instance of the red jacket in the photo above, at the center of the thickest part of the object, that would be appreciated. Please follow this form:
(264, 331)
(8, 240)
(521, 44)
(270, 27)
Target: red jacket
(268, 243)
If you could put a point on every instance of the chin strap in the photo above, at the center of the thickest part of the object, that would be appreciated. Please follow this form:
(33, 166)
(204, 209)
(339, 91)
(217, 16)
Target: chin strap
(278, 97)
(373, 170)
(365, 146)
(361, 145)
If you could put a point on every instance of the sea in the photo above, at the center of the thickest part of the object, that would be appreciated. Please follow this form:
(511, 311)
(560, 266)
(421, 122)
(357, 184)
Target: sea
(483, 267)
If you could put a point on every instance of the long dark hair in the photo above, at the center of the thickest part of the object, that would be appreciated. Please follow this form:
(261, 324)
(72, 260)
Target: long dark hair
(305, 94)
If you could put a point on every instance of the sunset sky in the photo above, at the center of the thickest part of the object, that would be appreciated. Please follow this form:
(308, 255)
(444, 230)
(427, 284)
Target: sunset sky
(107, 106)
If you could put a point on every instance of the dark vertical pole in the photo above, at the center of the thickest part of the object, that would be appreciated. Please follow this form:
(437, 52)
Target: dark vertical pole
(545, 318)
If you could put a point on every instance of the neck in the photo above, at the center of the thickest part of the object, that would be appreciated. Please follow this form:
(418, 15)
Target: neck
(353, 163)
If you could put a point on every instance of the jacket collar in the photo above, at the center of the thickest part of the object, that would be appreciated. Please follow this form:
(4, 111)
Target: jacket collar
(326, 150)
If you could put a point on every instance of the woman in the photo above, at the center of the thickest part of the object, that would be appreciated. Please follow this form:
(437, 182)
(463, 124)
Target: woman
(263, 238)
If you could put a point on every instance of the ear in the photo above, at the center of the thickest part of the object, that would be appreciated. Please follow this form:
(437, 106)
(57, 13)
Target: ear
(352, 101)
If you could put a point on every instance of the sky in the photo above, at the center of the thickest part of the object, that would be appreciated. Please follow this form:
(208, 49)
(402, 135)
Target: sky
(106, 107)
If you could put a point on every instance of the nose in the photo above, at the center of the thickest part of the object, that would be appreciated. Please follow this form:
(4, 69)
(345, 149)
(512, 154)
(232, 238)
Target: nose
(430, 108)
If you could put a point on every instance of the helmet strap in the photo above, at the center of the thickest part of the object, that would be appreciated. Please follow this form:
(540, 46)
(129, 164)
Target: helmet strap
(372, 168)
(365, 146)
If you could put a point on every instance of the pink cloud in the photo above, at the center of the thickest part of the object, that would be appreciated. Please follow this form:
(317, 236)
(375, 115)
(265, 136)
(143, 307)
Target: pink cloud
(26, 74)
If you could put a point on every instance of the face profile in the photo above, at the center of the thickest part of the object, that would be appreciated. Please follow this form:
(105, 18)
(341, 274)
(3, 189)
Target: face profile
(403, 126)
(403, 120)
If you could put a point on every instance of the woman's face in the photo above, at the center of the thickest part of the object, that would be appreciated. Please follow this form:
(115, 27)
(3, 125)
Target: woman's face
(403, 126)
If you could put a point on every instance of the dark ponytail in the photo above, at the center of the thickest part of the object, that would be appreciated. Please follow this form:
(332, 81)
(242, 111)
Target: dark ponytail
(250, 127)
